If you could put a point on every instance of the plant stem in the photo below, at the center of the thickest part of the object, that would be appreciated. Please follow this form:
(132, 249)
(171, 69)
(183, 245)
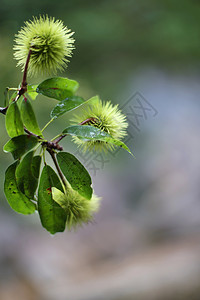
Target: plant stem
(47, 124)
(23, 88)
(57, 139)
(52, 153)
(33, 134)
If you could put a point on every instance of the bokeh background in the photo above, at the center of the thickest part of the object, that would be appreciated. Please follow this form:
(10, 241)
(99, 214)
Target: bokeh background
(145, 241)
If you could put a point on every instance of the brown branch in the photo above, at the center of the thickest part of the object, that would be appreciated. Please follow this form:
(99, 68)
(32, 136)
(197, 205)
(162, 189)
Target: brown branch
(23, 87)
(31, 133)
(49, 145)
(56, 141)
(93, 120)
(52, 145)
(52, 153)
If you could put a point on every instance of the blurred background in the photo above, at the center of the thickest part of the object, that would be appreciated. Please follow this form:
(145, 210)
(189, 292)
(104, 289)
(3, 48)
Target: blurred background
(145, 240)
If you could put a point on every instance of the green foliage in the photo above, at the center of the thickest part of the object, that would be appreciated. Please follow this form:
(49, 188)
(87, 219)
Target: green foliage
(31, 91)
(90, 133)
(17, 200)
(58, 88)
(76, 174)
(28, 117)
(26, 180)
(19, 145)
(66, 105)
(64, 197)
(86, 132)
(52, 215)
(14, 125)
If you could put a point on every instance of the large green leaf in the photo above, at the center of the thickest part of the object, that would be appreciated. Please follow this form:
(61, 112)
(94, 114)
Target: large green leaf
(28, 117)
(87, 132)
(20, 145)
(31, 91)
(35, 166)
(14, 125)
(65, 105)
(75, 173)
(17, 200)
(26, 181)
(58, 88)
(52, 215)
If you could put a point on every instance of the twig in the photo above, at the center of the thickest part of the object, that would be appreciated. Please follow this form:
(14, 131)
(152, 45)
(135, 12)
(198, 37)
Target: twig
(31, 133)
(93, 120)
(23, 87)
(51, 152)
(56, 141)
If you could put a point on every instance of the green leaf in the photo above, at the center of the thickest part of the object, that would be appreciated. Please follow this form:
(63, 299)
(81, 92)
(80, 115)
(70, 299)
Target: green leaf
(75, 173)
(17, 200)
(36, 162)
(65, 105)
(52, 215)
(20, 145)
(12, 98)
(14, 125)
(117, 143)
(26, 181)
(94, 100)
(87, 132)
(6, 96)
(58, 88)
(28, 117)
(31, 91)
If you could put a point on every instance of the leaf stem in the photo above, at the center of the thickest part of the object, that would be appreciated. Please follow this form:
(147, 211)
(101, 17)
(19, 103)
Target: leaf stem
(47, 124)
(57, 136)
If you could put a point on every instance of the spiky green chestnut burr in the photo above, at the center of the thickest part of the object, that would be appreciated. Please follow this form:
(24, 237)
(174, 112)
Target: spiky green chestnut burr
(50, 42)
(78, 209)
(106, 117)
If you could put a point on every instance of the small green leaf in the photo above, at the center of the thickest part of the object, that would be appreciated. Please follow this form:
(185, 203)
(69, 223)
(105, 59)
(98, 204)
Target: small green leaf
(26, 181)
(31, 91)
(117, 143)
(28, 117)
(52, 215)
(12, 98)
(65, 105)
(17, 200)
(20, 145)
(58, 88)
(87, 132)
(14, 125)
(75, 173)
